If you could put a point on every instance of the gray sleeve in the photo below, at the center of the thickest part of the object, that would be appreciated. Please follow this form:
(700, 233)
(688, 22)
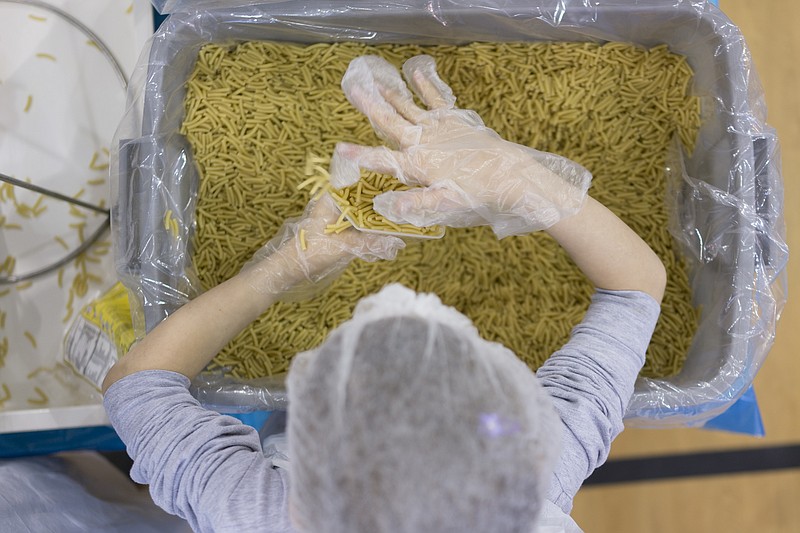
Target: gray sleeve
(591, 382)
(202, 466)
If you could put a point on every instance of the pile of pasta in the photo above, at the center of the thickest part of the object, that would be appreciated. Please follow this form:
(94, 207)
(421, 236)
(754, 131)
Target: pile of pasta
(256, 112)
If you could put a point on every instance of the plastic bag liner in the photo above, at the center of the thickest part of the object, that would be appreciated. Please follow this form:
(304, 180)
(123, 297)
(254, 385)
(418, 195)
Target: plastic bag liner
(726, 197)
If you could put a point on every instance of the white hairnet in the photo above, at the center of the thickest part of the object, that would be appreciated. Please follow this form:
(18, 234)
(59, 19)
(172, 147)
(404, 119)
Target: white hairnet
(405, 420)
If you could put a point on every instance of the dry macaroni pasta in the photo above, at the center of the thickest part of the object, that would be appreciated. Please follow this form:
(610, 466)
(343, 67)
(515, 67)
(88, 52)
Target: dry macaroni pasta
(255, 111)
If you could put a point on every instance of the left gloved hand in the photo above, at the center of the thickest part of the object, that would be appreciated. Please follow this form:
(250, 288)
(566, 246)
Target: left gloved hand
(293, 267)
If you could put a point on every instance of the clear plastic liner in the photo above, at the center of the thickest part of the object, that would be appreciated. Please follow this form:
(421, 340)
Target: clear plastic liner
(726, 197)
(226, 394)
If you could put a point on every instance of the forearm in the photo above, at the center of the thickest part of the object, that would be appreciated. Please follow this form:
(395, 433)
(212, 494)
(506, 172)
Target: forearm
(610, 253)
(188, 339)
(286, 266)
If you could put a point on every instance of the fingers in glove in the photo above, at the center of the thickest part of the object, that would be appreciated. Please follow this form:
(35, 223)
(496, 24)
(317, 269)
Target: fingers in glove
(377, 247)
(365, 82)
(428, 206)
(402, 100)
(348, 160)
(394, 90)
(420, 73)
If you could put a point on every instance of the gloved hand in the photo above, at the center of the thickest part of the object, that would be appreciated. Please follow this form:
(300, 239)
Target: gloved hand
(468, 174)
(301, 259)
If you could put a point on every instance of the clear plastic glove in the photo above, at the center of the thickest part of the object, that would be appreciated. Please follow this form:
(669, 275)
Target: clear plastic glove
(467, 174)
(301, 259)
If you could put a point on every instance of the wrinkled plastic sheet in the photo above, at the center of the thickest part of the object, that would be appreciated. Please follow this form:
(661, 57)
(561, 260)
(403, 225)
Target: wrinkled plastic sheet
(726, 197)
(56, 140)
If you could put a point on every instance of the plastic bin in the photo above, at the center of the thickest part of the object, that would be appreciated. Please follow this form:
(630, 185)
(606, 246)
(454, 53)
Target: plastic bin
(727, 213)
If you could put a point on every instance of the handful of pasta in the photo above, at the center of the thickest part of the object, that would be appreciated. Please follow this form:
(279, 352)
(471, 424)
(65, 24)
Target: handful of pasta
(356, 202)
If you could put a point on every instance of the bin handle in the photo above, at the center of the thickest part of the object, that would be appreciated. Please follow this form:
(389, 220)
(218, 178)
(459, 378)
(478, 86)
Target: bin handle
(771, 253)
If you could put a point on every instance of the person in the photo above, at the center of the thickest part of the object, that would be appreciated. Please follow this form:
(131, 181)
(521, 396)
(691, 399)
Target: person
(75, 492)
(404, 419)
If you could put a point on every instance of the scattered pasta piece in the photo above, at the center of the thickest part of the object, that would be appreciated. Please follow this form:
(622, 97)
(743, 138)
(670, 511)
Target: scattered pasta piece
(41, 398)
(37, 207)
(94, 165)
(28, 103)
(43, 55)
(31, 338)
(39, 369)
(79, 227)
(303, 243)
(171, 224)
(80, 284)
(74, 211)
(6, 395)
(8, 264)
(70, 300)
(7, 193)
(3, 351)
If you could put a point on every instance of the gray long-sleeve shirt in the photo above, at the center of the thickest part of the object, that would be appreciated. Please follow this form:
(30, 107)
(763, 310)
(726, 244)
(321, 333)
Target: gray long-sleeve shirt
(209, 468)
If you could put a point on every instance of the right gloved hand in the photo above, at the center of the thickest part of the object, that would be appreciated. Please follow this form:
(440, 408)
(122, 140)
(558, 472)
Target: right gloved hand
(468, 175)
